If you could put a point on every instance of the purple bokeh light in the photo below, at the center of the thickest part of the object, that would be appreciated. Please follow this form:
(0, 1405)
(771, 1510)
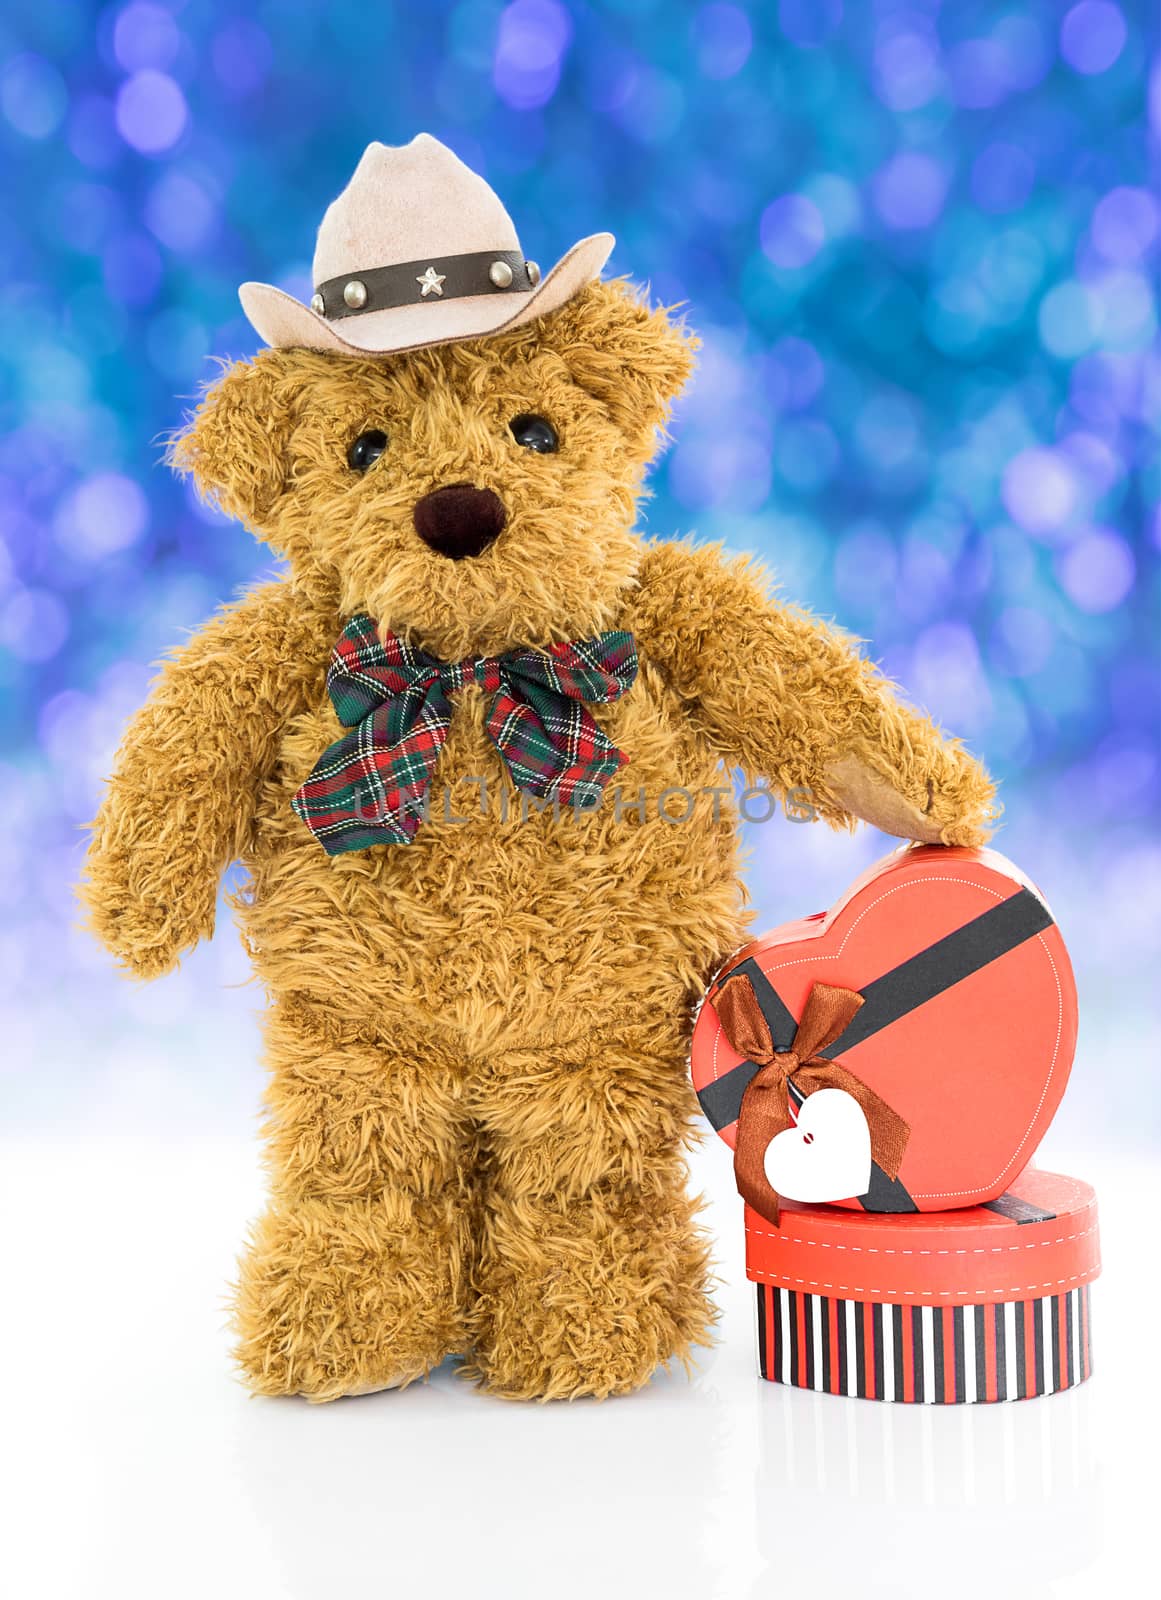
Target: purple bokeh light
(978, 69)
(721, 472)
(33, 624)
(1125, 309)
(925, 578)
(133, 269)
(92, 132)
(806, 454)
(1069, 319)
(145, 36)
(1124, 778)
(33, 96)
(180, 213)
(792, 231)
(809, 22)
(105, 513)
(907, 68)
(1098, 571)
(242, 55)
(1092, 36)
(1098, 465)
(909, 191)
(151, 112)
(1125, 224)
(531, 43)
(1106, 386)
(794, 374)
(1039, 490)
(718, 195)
(887, 431)
(653, 105)
(1029, 52)
(1012, 58)
(723, 39)
(948, 678)
(177, 345)
(88, 215)
(1002, 177)
(865, 569)
(1022, 641)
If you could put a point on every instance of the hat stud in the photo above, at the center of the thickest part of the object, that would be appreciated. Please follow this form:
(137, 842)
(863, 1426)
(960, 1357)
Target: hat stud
(500, 273)
(532, 268)
(317, 304)
(355, 294)
(431, 282)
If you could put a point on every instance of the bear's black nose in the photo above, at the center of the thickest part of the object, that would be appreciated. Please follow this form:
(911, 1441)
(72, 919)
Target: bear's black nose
(459, 521)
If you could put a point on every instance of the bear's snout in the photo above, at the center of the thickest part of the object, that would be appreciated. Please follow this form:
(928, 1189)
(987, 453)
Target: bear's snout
(459, 521)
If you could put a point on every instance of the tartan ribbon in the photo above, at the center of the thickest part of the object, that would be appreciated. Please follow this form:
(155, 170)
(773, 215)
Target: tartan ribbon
(765, 1110)
(370, 786)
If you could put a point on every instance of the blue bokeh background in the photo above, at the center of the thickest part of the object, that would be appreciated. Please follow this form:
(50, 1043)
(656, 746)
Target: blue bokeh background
(920, 243)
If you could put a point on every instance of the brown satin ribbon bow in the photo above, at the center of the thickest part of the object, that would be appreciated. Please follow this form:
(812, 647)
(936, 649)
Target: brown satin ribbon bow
(765, 1108)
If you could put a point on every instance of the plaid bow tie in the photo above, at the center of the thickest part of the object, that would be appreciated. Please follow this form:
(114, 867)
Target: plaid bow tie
(369, 787)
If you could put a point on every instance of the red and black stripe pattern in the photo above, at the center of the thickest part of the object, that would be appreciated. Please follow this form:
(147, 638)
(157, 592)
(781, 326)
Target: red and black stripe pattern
(932, 1355)
(370, 786)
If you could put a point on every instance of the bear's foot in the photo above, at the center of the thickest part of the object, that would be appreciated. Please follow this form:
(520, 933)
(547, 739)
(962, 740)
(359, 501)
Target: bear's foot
(589, 1295)
(346, 1297)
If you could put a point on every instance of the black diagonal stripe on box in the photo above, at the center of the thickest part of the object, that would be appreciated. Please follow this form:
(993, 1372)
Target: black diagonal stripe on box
(945, 963)
(1013, 1209)
(911, 984)
(886, 1195)
(722, 1100)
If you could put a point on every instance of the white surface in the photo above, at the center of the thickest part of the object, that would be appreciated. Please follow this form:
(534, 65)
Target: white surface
(132, 1465)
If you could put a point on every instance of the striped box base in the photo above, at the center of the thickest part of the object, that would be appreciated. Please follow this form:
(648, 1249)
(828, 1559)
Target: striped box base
(932, 1355)
(991, 1302)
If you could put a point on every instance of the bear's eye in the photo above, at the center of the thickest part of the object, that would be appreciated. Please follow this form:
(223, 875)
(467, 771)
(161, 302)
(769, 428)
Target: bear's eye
(366, 450)
(534, 433)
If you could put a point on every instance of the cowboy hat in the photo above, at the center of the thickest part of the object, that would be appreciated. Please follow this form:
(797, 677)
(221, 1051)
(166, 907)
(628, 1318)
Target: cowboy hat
(417, 250)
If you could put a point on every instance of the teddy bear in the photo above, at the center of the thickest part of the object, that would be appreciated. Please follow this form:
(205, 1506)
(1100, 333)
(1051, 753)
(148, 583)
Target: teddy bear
(472, 747)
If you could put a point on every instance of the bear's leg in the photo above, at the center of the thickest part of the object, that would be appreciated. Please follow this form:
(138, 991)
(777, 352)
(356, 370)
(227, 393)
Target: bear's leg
(357, 1275)
(592, 1271)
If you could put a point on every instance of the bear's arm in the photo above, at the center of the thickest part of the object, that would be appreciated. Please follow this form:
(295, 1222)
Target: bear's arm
(181, 801)
(791, 702)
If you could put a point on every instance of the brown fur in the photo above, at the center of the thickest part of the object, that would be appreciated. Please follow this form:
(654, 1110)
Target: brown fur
(478, 1101)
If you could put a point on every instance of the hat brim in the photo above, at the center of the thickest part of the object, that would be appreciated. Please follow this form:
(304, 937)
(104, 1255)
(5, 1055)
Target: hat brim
(285, 323)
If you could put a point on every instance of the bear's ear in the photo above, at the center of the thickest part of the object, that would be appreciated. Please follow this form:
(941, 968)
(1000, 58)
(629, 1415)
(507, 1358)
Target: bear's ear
(633, 359)
(236, 442)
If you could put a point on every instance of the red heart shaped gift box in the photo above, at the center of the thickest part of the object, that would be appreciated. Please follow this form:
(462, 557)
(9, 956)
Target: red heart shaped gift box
(966, 1030)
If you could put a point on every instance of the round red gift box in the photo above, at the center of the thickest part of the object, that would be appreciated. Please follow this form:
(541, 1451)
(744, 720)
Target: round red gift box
(967, 1028)
(984, 1303)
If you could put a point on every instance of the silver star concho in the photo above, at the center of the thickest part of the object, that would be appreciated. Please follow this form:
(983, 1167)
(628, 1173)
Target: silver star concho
(431, 282)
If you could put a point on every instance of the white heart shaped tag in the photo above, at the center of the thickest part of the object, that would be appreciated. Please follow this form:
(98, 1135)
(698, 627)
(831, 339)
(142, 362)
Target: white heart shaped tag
(826, 1155)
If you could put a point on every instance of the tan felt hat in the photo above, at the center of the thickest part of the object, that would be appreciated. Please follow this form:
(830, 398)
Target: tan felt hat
(417, 250)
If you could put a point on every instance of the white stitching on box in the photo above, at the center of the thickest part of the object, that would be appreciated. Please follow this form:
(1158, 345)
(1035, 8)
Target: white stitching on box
(982, 1296)
(871, 1250)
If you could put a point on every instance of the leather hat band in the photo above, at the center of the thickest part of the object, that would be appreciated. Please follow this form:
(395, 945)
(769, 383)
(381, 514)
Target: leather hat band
(412, 283)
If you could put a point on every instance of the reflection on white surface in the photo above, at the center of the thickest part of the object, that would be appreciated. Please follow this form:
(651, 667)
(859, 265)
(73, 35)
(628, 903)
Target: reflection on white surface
(878, 1468)
(131, 1465)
